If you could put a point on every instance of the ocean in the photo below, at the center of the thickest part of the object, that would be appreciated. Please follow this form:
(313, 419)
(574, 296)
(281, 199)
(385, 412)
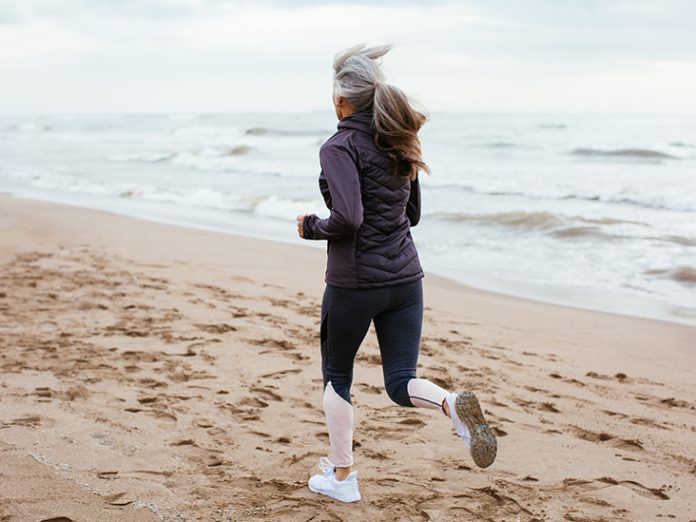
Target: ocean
(589, 210)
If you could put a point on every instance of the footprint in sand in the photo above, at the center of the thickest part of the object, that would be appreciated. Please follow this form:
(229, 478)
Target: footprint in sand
(368, 388)
(677, 403)
(293, 460)
(183, 442)
(156, 413)
(216, 328)
(205, 457)
(281, 373)
(242, 414)
(371, 359)
(440, 376)
(203, 423)
(617, 442)
(30, 420)
(276, 346)
(643, 421)
(267, 392)
(140, 356)
(604, 482)
(149, 382)
(569, 380)
(498, 499)
(548, 406)
(415, 423)
(253, 402)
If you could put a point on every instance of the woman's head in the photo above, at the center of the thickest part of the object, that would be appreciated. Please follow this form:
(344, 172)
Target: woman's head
(359, 86)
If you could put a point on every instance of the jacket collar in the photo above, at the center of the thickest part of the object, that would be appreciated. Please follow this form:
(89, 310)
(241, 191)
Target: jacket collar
(361, 121)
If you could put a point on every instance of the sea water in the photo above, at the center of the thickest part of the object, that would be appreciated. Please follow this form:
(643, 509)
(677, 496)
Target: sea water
(591, 210)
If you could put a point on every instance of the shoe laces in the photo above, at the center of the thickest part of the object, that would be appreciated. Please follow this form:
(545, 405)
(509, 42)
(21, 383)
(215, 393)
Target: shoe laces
(326, 466)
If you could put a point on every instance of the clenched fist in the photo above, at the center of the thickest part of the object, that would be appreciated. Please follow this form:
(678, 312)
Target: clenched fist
(300, 221)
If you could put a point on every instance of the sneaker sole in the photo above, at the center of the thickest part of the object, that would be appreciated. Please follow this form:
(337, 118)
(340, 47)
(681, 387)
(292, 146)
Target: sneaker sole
(484, 445)
(331, 496)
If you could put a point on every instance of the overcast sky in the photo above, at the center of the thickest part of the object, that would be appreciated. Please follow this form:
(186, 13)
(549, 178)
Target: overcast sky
(230, 55)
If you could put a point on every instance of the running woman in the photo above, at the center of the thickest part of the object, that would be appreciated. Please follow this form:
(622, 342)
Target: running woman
(369, 181)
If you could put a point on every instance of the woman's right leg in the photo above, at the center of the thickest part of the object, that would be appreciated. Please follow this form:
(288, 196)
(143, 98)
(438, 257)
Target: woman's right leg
(345, 318)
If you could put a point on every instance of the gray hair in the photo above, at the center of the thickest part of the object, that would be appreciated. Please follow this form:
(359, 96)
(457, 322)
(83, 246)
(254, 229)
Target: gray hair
(359, 79)
(356, 74)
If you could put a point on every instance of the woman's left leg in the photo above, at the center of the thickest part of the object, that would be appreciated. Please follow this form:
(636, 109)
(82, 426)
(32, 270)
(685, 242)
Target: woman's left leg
(398, 331)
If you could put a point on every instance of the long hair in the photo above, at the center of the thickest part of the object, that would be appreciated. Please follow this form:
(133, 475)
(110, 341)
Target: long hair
(358, 77)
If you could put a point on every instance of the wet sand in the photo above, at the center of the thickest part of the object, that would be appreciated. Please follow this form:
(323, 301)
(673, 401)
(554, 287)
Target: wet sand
(158, 372)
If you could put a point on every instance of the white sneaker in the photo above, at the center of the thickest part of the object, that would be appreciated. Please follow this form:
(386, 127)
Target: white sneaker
(326, 483)
(470, 424)
(459, 426)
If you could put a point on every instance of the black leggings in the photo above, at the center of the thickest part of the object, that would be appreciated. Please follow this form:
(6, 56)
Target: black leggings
(346, 314)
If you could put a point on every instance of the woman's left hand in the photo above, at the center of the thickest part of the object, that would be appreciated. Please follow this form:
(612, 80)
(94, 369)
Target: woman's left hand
(300, 221)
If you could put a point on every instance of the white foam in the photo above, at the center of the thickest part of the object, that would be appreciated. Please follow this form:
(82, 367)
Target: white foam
(285, 209)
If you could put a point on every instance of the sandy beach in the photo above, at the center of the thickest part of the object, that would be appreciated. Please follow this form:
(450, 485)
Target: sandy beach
(154, 372)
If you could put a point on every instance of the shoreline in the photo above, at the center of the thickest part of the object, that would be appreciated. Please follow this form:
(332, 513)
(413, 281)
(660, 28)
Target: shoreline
(160, 369)
(525, 291)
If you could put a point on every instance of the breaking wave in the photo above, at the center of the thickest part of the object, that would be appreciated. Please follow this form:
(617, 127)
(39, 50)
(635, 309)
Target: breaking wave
(624, 153)
(237, 150)
(564, 226)
(585, 231)
(519, 218)
(146, 157)
(681, 274)
(646, 201)
(266, 131)
(538, 219)
(500, 145)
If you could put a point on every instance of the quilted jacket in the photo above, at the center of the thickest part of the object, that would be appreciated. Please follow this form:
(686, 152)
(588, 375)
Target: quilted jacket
(372, 211)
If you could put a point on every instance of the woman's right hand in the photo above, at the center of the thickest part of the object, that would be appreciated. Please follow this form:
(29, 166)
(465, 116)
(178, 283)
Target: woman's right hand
(300, 221)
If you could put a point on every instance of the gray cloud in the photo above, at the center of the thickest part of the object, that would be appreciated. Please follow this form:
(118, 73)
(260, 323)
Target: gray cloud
(245, 47)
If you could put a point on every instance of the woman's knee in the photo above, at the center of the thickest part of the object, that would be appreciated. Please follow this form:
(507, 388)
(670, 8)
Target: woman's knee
(341, 385)
(398, 392)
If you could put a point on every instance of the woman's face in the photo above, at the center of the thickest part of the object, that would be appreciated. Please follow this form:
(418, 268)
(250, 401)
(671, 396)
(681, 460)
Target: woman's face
(341, 106)
(336, 103)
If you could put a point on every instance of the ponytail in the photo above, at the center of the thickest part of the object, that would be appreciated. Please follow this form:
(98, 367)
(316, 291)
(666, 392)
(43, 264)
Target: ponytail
(397, 124)
(359, 78)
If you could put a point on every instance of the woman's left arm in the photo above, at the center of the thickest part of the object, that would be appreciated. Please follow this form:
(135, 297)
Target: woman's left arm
(413, 207)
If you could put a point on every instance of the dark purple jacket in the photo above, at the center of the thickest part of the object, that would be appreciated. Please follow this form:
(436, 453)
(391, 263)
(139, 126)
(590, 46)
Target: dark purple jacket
(372, 211)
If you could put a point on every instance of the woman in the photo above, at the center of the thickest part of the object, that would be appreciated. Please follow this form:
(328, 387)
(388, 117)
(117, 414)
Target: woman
(369, 181)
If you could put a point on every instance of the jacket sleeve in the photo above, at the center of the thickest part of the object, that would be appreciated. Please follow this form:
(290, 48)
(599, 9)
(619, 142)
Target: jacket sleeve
(343, 180)
(324, 189)
(413, 207)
